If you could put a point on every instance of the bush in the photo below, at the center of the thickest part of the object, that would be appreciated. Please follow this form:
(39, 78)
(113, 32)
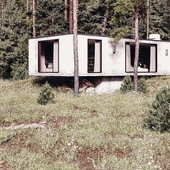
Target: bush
(19, 71)
(127, 84)
(142, 86)
(46, 95)
(158, 118)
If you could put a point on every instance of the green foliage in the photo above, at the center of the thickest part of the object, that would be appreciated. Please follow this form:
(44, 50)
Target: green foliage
(19, 71)
(12, 33)
(158, 118)
(159, 16)
(127, 84)
(142, 86)
(50, 18)
(46, 95)
(95, 17)
(106, 17)
(19, 68)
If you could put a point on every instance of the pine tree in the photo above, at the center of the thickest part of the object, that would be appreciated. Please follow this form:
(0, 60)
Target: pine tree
(75, 44)
(11, 33)
(94, 17)
(46, 95)
(158, 118)
(50, 18)
(127, 84)
(159, 18)
(122, 9)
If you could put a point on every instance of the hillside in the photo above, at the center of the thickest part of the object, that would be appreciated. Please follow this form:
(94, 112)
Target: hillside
(92, 132)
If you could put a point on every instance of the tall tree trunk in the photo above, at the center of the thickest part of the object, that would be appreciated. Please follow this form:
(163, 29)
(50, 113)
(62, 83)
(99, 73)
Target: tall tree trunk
(33, 19)
(27, 8)
(2, 11)
(136, 48)
(75, 43)
(52, 19)
(105, 20)
(147, 20)
(71, 17)
(65, 10)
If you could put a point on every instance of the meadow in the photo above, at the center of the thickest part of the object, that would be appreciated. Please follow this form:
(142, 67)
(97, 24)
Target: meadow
(91, 132)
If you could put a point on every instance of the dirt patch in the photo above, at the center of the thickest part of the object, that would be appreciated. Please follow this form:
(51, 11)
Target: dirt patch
(89, 159)
(69, 120)
(3, 166)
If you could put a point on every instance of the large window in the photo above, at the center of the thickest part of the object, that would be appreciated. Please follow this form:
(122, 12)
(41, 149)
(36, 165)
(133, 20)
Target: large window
(48, 56)
(94, 56)
(147, 57)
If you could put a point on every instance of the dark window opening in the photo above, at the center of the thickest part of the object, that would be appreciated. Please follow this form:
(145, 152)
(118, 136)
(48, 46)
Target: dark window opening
(48, 56)
(147, 57)
(94, 56)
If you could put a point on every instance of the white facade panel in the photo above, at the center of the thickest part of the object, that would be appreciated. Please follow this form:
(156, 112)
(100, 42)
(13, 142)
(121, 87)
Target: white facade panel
(112, 64)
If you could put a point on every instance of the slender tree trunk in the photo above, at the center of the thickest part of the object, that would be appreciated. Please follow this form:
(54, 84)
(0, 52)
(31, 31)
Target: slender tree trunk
(75, 43)
(2, 11)
(71, 17)
(105, 20)
(136, 48)
(27, 8)
(52, 20)
(33, 19)
(65, 10)
(147, 22)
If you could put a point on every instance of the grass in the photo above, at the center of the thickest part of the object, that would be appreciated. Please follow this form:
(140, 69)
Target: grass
(92, 132)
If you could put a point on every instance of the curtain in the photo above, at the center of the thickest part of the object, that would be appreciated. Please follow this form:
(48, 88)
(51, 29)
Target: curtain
(41, 52)
(128, 58)
(97, 57)
(153, 58)
(55, 57)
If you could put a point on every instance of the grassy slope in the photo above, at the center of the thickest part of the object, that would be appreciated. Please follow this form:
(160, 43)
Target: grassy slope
(91, 132)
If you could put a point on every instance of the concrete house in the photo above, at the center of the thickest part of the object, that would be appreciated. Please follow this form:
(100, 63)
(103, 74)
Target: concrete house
(100, 61)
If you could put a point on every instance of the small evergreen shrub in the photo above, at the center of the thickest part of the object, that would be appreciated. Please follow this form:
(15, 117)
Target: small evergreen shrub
(142, 86)
(127, 84)
(46, 95)
(19, 71)
(158, 118)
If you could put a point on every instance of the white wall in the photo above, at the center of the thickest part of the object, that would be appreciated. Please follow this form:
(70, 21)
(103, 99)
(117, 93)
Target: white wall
(112, 64)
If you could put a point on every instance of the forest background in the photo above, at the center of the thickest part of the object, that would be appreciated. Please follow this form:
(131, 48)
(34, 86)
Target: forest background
(24, 19)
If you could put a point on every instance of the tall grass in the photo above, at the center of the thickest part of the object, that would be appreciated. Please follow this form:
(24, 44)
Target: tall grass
(92, 132)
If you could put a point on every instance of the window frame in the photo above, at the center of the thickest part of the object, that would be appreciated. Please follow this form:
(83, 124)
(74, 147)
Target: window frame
(93, 41)
(41, 47)
(149, 45)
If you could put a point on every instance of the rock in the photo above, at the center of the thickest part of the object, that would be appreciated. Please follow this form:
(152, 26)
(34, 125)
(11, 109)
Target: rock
(65, 89)
(83, 89)
(90, 90)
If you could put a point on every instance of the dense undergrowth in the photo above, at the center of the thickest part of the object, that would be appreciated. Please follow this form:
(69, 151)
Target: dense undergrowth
(92, 132)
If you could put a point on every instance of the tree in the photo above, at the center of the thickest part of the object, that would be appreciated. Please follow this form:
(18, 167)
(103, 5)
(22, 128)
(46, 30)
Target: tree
(33, 17)
(159, 18)
(10, 34)
(124, 11)
(50, 18)
(147, 21)
(2, 11)
(95, 17)
(71, 17)
(75, 46)
(158, 118)
(65, 10)
(46, 95)
(136, 60)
